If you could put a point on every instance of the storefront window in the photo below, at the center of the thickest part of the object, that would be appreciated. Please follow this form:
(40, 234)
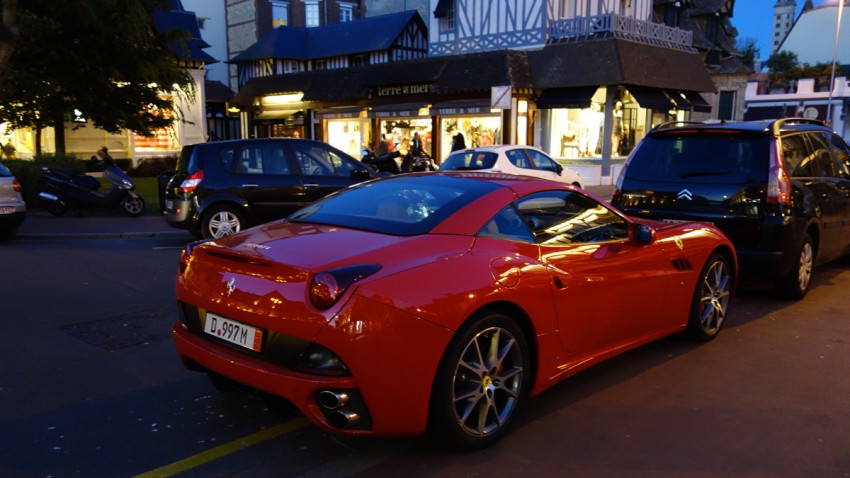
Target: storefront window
(476, 131)
(349, 135)
(578, 132)
(396, 133)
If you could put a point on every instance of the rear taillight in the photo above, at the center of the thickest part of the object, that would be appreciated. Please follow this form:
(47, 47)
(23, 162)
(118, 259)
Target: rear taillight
(328, 286)
(16, 185)
(192, 181)
(778, 181)
(186, 255)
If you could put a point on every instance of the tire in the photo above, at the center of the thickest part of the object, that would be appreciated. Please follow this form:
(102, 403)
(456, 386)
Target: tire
(711, 299)
(221, 221)
(795, 285)
(55, 208)
(472, 407)
(133, 206)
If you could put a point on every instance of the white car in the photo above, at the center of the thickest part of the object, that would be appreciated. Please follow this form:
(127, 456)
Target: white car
(510, 159)
(12, 206)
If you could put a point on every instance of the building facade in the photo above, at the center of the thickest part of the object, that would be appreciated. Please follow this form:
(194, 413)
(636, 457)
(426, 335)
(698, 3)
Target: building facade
(824, 97)
(783, 20)
(583, 79)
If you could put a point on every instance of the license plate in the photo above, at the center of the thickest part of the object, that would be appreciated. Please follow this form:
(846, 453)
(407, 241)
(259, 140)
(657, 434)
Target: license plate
(234, 332)
(169, 204)
(7, 209)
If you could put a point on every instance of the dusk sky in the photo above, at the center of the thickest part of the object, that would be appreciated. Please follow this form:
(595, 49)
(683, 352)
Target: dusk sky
(754, 19)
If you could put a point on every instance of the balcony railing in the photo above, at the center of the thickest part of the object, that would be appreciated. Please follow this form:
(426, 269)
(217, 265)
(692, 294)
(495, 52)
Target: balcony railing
(580, 28)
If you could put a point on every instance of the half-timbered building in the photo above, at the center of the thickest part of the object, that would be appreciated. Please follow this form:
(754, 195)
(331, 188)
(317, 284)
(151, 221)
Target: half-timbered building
(579, 78)
(294, 56)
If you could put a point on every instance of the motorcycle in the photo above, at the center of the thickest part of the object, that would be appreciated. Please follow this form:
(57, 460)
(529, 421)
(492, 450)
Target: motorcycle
(386, 163)
(66, 190)
(403, 161)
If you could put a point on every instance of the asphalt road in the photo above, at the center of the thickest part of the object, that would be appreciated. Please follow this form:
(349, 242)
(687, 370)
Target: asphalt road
(90, 386)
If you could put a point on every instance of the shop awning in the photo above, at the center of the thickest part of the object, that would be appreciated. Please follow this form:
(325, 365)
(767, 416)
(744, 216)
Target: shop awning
(698, 103)
(339, 113)
(276, 114)
(578, 97)
(651, 98)
(473, 107)
(693, 100)
(402, 110)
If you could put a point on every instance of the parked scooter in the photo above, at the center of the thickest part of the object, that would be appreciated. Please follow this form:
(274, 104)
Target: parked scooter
(66, 190)
(398, 162)
(386, 163)
(417, 161)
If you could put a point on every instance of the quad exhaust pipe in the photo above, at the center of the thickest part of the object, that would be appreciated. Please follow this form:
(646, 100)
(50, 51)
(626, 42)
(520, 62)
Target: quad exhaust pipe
(332, 400)
(333, 404)
(343, 418)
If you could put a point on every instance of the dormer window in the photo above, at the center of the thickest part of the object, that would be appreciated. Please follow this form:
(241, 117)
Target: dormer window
(311, 14)
(346, 12)
(280, 13)
(445, 12)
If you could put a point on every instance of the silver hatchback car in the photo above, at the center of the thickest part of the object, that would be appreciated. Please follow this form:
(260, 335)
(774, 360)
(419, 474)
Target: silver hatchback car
(13, 210)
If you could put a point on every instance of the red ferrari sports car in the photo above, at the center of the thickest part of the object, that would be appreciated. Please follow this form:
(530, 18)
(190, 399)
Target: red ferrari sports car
(440, 301)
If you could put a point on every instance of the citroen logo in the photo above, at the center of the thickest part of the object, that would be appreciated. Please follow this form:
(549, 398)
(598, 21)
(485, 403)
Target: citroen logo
(231, 286)
(685, 194)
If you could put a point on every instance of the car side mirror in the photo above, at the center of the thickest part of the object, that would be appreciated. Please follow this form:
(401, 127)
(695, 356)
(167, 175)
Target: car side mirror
(361, 174)
(559, 168)
(643, 234)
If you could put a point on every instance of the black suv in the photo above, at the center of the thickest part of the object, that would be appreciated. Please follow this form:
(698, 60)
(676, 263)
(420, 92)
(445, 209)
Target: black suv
(222, 187)
(779, 189)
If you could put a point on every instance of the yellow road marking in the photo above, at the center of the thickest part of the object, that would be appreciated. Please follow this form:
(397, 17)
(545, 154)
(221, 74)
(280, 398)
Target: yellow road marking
(224, 450)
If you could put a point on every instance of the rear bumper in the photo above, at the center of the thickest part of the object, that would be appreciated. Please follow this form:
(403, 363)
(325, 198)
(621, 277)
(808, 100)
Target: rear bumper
(9, 222)
(179, 213)
(392, 356)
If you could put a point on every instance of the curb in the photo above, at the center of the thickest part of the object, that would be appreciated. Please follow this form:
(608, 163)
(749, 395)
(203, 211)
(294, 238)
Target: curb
(101, 235)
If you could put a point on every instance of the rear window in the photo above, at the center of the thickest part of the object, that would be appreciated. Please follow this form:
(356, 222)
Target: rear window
(707, 157)
(187, 163)
(4, 172)
(401, 205)
(469, 161)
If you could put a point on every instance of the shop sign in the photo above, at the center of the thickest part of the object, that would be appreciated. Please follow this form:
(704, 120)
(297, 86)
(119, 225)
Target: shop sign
(461, 110)
(402, 90)
(395, 114)
(345, 115)
(500, 97)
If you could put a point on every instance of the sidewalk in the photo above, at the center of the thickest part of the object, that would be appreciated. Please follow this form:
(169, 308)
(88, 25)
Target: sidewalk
(114, 224)
(40, 224)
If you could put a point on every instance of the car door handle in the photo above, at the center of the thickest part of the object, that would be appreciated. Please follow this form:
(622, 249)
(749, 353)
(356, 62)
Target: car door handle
(311, 186)
(251, 185)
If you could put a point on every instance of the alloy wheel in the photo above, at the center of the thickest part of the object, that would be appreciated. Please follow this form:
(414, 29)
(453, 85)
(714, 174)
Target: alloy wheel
(224, 223)
(715, 296)
(487, 382)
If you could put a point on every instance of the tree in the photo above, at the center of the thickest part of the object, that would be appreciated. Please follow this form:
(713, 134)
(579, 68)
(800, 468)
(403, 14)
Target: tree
(8, 32)
(103, 58)
(749, 51)
(782, 62)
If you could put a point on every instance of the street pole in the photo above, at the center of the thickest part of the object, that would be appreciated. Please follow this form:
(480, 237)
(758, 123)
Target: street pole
(834, 58)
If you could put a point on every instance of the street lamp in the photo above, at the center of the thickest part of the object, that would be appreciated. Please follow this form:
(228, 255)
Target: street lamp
(834, 58)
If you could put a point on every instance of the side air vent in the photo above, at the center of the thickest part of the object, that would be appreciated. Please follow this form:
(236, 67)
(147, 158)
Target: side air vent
(682, 264)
